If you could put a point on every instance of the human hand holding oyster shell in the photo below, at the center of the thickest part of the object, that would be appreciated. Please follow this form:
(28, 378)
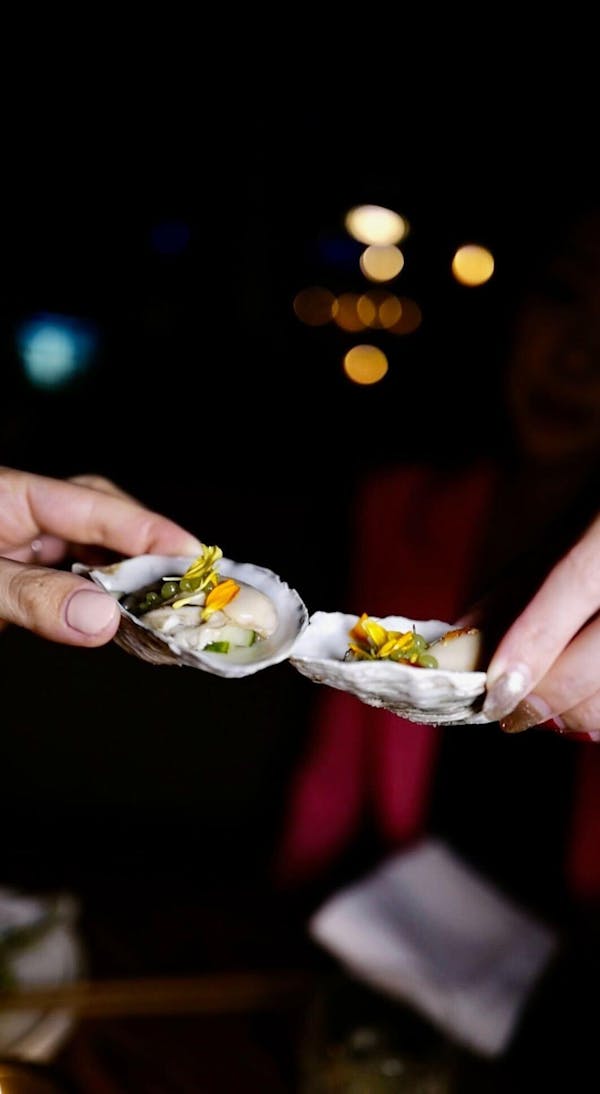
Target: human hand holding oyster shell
(228, 618)
(423, 670)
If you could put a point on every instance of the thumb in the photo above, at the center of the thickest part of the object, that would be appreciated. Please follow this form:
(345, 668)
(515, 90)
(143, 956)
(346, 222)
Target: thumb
(60, 606)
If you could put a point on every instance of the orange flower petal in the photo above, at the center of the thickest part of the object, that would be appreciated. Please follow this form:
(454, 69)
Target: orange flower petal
(218, 597)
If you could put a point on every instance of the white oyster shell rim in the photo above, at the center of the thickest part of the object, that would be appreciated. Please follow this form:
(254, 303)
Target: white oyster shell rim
(432, 696)
(139, 638)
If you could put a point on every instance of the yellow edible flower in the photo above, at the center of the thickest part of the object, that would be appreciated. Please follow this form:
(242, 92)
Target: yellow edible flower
(202, 567)
(369, 641)
(200, 575)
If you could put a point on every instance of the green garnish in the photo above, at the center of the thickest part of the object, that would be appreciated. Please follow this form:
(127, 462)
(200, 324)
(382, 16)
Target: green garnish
(200, 577)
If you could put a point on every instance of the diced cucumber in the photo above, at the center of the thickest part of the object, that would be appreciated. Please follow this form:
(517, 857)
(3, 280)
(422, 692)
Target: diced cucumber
(230, 635)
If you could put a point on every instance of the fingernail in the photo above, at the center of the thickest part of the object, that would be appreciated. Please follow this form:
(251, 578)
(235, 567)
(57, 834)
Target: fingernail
(530, 712)
(89, 612)
(192, 546)
(504, 694)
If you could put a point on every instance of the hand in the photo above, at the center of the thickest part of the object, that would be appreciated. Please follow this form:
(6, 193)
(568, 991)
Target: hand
(42, 520)
(546, 666)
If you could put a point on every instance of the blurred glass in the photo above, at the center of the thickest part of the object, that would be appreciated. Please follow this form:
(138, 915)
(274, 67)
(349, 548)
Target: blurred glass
(358, 1042)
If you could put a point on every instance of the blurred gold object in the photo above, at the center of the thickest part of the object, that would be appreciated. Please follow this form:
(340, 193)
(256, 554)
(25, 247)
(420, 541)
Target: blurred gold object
(224, 993)
(23, 1078)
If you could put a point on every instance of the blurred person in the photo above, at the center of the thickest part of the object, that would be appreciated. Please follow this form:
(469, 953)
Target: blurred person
(516, 534)
(43, 519)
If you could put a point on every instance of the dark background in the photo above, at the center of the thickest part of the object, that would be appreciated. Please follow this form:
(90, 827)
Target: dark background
(212, 403)
(157, 794)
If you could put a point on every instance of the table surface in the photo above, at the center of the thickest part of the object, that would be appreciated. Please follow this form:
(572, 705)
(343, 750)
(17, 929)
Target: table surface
(302, 1042)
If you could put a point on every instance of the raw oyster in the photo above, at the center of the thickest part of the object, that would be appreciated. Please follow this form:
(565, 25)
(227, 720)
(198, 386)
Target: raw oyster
(460, 648)
(428, 695)
(275, 612)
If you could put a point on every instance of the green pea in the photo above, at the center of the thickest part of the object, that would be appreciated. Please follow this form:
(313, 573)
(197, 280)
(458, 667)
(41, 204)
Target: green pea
(427, 661)
(169, 589)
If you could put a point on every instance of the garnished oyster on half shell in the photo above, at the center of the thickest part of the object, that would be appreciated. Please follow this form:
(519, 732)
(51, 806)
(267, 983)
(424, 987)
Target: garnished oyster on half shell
(228, 618)
(422, 670)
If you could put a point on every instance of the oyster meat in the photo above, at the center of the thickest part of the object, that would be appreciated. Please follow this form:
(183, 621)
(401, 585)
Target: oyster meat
(426, 673)
(228, 618)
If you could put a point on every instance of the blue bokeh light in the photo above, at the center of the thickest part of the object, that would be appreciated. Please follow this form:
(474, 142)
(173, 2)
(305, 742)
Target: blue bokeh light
(170, 237)
(55, 349)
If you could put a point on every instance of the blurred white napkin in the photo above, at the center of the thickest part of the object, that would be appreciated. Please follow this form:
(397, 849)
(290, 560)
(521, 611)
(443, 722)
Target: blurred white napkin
(428, 930)
(21, 913)
(39, 945)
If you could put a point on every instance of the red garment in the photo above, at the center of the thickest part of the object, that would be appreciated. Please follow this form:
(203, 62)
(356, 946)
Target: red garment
(363, 757)
(360, 752)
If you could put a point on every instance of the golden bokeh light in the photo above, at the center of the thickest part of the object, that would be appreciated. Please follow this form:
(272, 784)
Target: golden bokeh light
(375, 225)
(367, 309)
(472, 264)
(409, 319)
(389, 312)
(381, 263)
(378, 308)
(314, 306)
(365, 364)
(345, 312)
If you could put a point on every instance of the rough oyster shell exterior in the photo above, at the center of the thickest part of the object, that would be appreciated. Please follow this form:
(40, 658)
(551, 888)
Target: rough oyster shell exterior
(138, 638)
(434, 696)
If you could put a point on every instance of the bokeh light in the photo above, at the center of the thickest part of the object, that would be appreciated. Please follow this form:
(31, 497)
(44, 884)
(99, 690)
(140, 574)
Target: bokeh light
(170, 237)
(379, 309)
(314, 305)
(382, 263)
(472, 264)
(375, 225)
(410, 317)
(365, 364)
(55, 349)
(345, 312)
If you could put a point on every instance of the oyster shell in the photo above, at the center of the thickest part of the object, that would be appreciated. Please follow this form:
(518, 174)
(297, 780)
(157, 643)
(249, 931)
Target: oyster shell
(427, 695)
(136, 636)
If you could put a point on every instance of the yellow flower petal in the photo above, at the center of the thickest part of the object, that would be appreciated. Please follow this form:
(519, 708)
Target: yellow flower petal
(370, 641)
(357, 632)
(360, 653)
(205, 562)
(200, 576)
(375, 632)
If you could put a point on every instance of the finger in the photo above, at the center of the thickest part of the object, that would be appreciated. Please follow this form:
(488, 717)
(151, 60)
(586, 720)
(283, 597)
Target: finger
(573, 679)
(56, 605)
(44, 550)
(569, 596)
(35, 504)
(106, 486)
(94, 556)
(583, 718)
